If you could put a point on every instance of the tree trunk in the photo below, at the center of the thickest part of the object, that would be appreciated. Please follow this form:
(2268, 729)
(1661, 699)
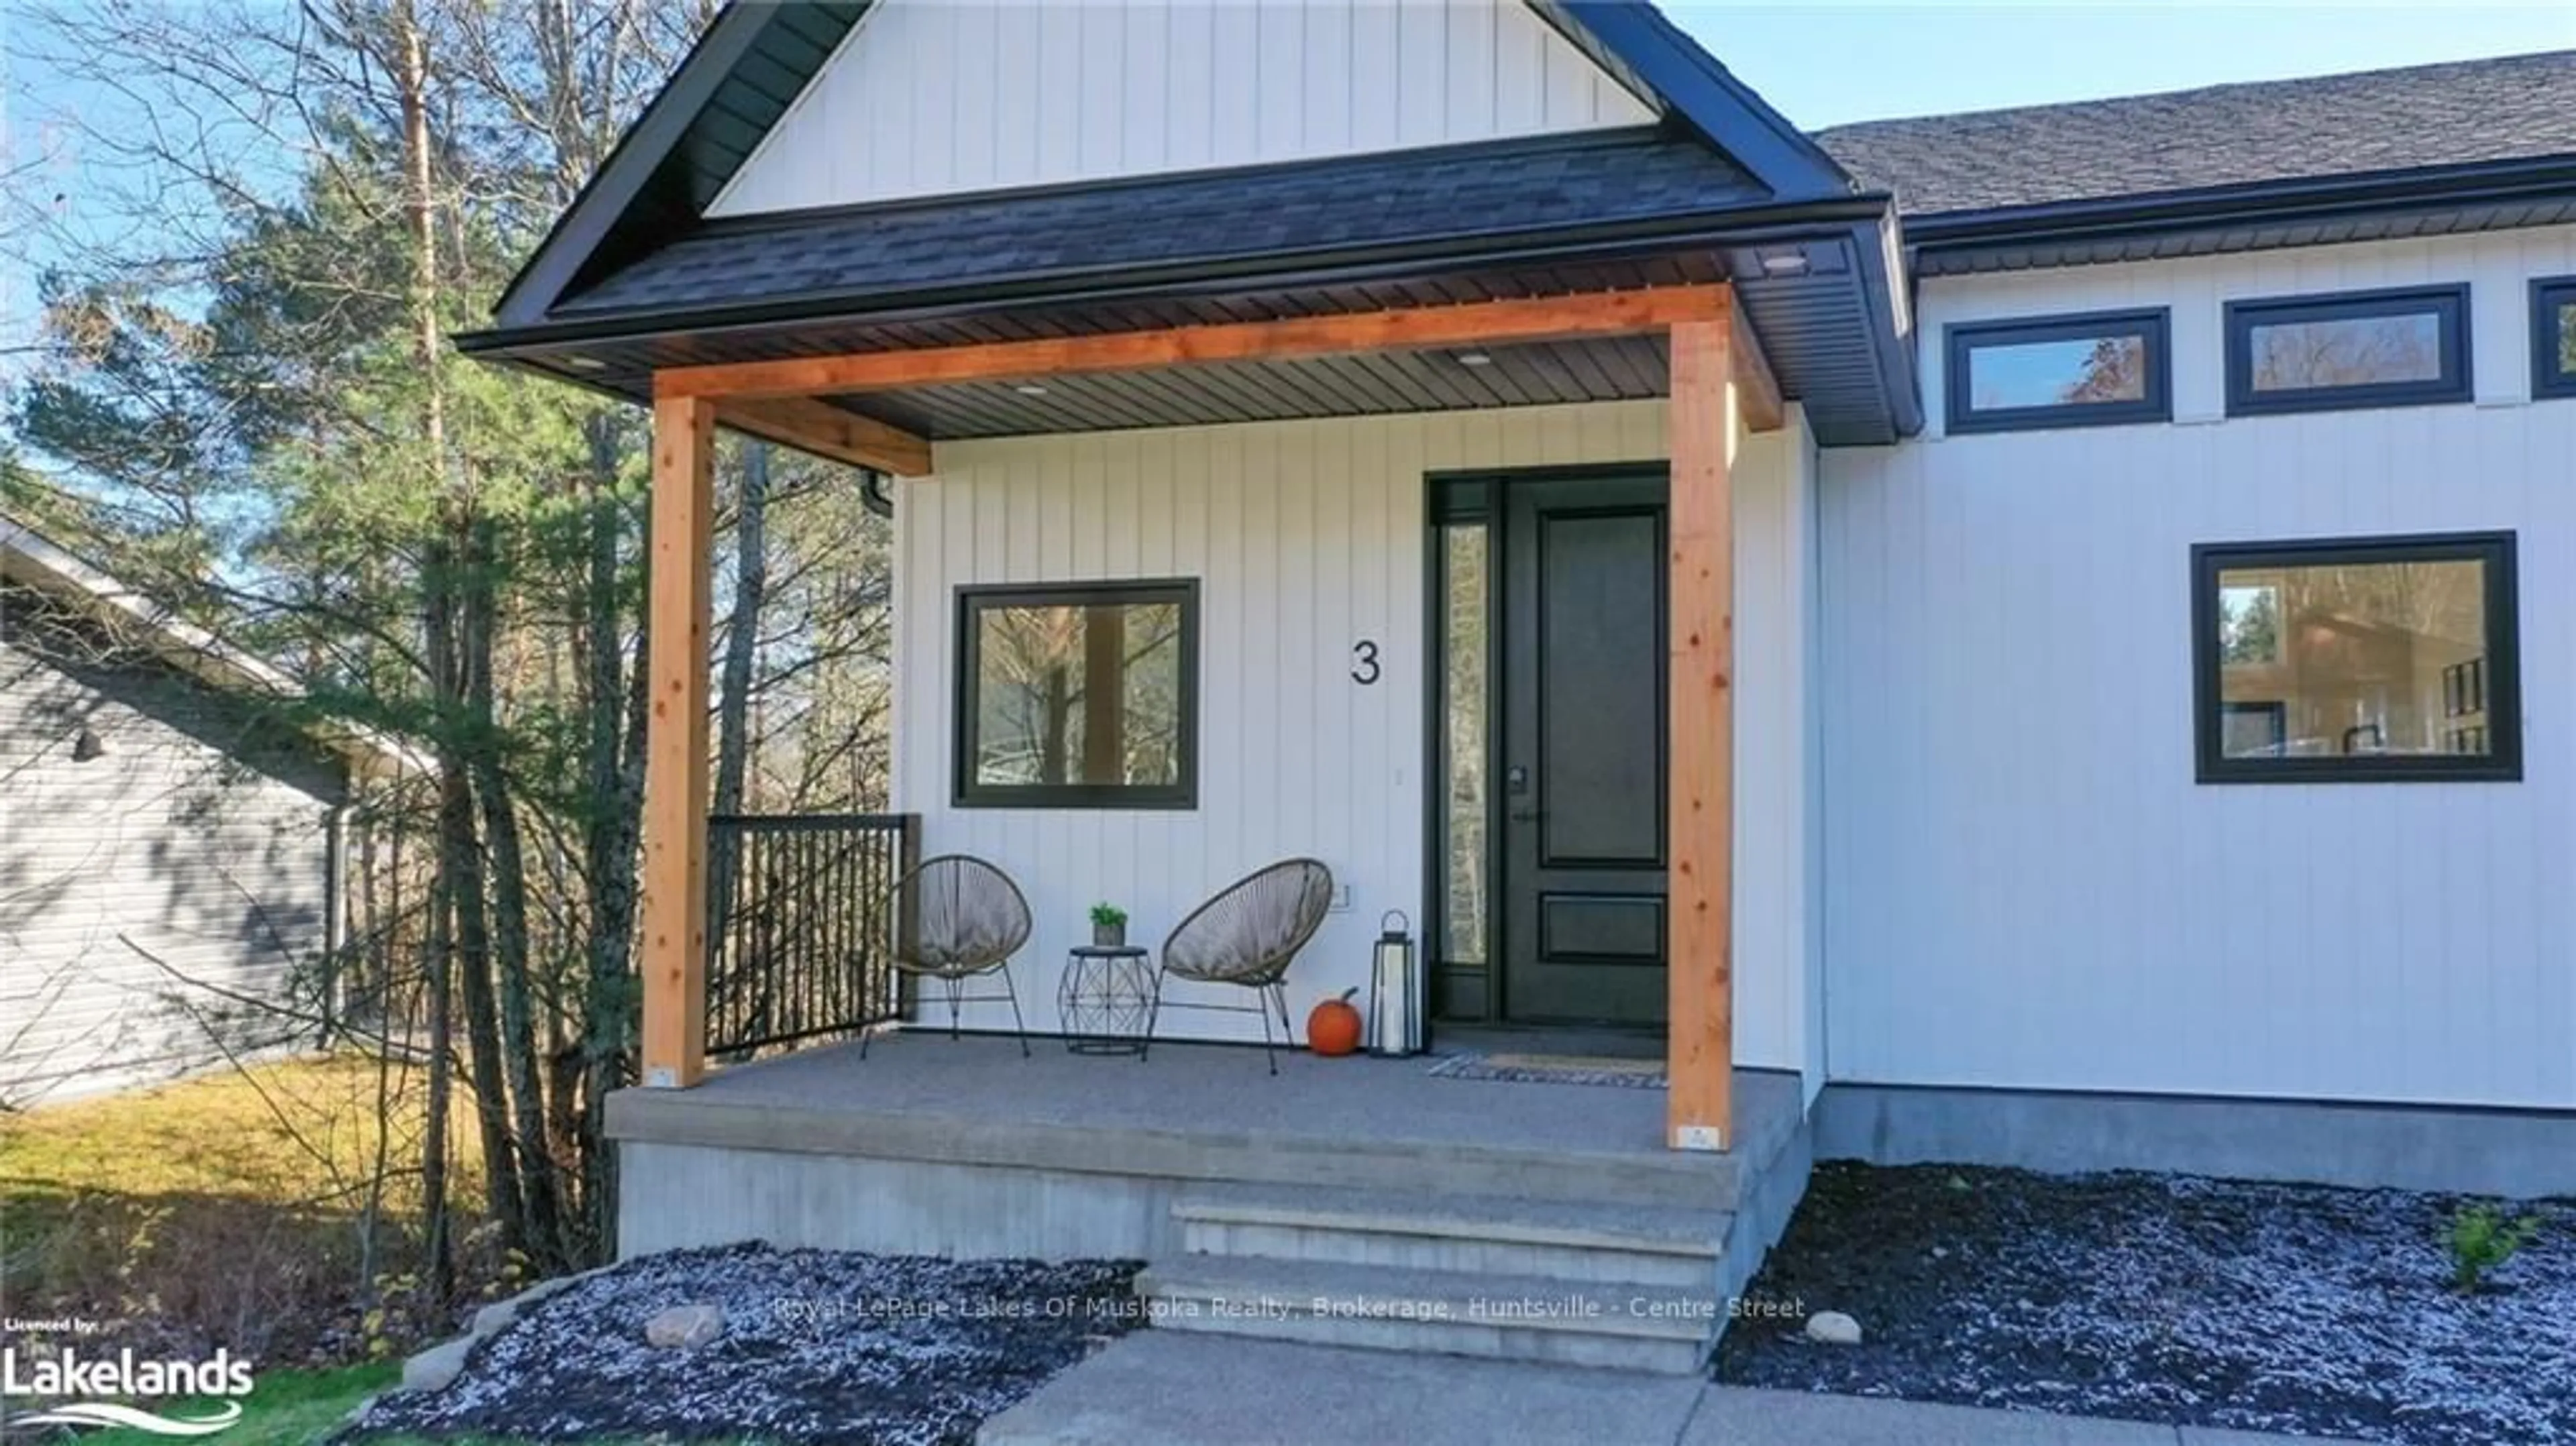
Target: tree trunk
(733, 714)
(615, 703)
(460, 858)
(460, 864)
(510, 950)
(441, 1268)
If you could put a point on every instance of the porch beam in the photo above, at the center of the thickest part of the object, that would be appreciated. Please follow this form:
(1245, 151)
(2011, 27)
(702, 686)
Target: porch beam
(1700, 1037)
(1511, 321)
(812, 425)
(1757, 392)
(680, 581)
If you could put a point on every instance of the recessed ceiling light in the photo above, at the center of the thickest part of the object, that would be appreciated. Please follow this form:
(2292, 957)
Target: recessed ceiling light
(1030, 389)
(585, 364)
(1784, 263)
(1475, 359)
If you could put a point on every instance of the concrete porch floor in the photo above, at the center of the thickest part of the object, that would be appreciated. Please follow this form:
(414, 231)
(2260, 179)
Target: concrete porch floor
(1217, 1091)
(964, 1147)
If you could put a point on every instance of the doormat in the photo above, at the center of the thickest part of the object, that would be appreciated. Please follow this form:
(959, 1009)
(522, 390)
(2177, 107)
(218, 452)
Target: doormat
(1581, 1069)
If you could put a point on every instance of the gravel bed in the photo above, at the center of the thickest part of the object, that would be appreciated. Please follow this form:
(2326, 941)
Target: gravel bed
(824, 1347)
(2298, 1309)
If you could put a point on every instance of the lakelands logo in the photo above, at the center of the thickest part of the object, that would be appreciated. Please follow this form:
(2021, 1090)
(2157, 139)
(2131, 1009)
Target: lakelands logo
(67, 1373)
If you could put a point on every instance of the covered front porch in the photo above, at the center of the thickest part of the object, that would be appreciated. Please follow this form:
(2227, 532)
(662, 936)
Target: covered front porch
(1253, 419)
(973, 486)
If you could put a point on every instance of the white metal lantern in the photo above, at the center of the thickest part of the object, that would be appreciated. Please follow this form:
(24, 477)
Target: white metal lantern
(1395, 990)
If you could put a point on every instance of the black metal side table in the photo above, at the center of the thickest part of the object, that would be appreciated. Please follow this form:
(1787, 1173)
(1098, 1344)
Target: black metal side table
(1105, 999)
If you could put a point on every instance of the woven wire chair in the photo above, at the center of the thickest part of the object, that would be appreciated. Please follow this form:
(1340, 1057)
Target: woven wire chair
(1246, 937)
(962, 919)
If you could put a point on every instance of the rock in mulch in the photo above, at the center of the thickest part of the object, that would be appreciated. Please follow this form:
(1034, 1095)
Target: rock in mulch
(685, 1326)
(1833, 1328)
(794, 1346)
(2288, 1308)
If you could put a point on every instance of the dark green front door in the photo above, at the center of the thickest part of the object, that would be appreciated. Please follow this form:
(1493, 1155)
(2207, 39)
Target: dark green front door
(1581, 745)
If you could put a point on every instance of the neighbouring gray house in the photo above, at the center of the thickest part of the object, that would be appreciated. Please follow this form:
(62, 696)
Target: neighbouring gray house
(170, 843)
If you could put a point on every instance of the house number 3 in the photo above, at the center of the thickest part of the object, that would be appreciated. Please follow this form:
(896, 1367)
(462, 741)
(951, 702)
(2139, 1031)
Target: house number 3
(1364, 668)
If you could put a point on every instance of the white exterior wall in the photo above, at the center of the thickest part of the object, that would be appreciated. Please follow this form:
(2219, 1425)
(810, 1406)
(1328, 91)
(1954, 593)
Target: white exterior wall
(2024, 885)
(933, 97)
(1779, 832)
(1307, 536)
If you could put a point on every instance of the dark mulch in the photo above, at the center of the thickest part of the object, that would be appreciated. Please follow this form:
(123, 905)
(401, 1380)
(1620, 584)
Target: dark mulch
(830, 1348)
(2298, 1309)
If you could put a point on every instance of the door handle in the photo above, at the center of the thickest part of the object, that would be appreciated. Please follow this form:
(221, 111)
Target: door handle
(1523, 815)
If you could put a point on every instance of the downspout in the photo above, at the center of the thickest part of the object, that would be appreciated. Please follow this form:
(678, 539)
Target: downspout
(335, 909)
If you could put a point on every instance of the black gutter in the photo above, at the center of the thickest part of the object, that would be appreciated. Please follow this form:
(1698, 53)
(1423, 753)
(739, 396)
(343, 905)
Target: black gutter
(1750, 226)
(2305, 199)
(1885, 283)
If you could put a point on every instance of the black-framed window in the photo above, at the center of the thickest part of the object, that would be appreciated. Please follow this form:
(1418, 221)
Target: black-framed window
(2351, 349)
(2356, 660)
(1078, 695)
(2553, 337)
(2059, 371)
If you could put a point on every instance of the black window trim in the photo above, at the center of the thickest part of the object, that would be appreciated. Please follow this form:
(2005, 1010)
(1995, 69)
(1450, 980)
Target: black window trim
(2503, 671)
(964, 792)
(1960, 339)
(2549, 296)
(2448, 304)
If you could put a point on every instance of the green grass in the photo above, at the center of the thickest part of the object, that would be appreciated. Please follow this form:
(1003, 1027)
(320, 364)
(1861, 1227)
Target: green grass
(284, 1408)
(225, 1211)
(301, 1132)
(192, 1188)
(298, 1408)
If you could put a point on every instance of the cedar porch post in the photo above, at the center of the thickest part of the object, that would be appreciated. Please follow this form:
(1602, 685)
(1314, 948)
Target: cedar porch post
(1700, 1037)
(675, 744)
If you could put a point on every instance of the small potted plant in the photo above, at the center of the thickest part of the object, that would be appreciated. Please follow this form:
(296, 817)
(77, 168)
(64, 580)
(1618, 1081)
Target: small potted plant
(1108, 926)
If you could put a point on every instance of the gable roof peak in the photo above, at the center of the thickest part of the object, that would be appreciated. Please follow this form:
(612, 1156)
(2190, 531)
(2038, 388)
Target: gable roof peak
(726, 97)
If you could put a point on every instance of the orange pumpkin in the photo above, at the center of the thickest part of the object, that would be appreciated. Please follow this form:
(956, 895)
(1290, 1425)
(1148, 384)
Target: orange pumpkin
(1334, 1026)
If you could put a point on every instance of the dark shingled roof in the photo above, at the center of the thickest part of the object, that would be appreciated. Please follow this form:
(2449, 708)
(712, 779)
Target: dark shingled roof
(2514, 108)
(1411, 197)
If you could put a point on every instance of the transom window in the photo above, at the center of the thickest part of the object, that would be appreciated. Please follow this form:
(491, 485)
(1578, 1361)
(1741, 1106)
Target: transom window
(2360, 349)
(2357, 660)
(2060, 371)
(2553, 337)
(1078, 695)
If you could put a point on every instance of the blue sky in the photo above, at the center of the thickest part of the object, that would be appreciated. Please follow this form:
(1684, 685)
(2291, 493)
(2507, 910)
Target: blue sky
(1826, 63)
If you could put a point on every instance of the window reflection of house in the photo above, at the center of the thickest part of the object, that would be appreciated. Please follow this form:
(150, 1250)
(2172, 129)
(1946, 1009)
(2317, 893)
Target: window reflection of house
(2353, 658)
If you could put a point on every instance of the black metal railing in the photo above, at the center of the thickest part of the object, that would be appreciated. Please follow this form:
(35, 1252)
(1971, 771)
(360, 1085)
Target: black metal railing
(801, 925)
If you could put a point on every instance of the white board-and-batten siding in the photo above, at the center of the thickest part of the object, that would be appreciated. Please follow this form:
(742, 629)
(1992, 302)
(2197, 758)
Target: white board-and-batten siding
(1307, 537)
(2024, 885)
(937, 97)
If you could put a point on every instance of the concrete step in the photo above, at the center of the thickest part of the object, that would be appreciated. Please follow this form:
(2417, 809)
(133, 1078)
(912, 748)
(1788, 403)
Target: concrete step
(1651, 1328)
(1596, 1243)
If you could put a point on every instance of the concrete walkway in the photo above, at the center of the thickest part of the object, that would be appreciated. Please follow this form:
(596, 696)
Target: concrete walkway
(1176, 1388)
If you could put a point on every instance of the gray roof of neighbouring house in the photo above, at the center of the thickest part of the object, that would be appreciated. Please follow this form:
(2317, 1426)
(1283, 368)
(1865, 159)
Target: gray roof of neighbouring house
(2463, 113)
(29, 559)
